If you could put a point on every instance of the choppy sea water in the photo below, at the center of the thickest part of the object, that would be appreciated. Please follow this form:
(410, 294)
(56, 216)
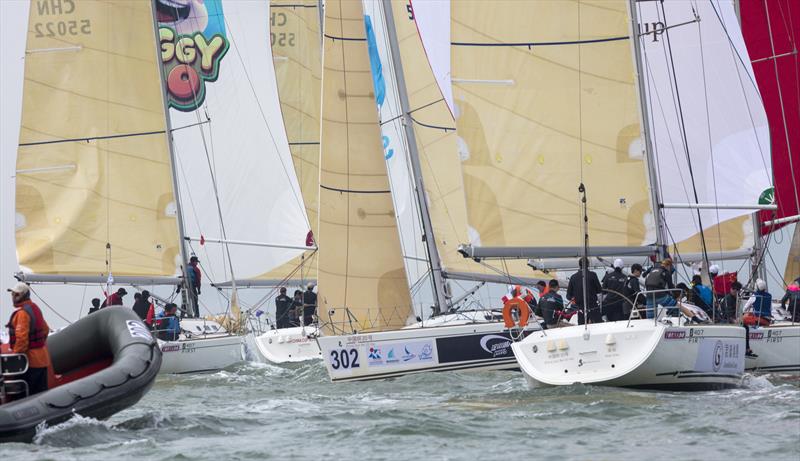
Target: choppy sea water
(259, 411)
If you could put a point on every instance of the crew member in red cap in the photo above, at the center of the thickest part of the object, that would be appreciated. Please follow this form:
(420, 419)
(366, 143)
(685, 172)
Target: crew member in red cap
(28, 332)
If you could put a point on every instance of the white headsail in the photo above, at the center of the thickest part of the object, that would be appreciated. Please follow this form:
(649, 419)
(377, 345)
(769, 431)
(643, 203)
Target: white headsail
(709, 129)
(229, 138)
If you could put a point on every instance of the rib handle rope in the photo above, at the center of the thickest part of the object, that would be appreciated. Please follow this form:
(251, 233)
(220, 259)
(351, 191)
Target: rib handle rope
(522, 313)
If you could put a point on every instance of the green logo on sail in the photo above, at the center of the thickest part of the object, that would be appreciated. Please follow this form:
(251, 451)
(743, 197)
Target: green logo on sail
(767, 197)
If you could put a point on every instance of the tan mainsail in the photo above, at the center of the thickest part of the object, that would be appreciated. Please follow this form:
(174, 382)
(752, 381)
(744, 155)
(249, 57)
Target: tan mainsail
(91, 72)
(535, 122)
(793, 262)
(295, 35)
(438, 153)
(733, 234)
(360, 261)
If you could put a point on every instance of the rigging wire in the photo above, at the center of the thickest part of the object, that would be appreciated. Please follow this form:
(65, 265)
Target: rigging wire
(684, 137)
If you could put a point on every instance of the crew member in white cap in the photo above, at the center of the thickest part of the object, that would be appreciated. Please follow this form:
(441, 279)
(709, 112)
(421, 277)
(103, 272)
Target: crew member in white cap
(28, 332)
(309, 304)
(614, 289)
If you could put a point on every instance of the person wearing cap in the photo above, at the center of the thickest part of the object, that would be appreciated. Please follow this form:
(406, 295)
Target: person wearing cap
(659, 277)
(283, 304)
(195, 282)
(759, 307)
(309, 304)
(614, 289)
(792, 297)
(115, 299)
(27, 331)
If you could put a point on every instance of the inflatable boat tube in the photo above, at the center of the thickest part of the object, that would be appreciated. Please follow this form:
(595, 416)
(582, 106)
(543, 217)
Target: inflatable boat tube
(102, 364)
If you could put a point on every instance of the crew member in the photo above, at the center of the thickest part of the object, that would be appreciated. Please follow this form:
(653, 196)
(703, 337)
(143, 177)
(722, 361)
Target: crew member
(730, 302)
(309, 304)
(195, 281)
(297, 308)
(115, 299)
(575, 294)
(761, 304)
(95, 305)
(283, 304)
(659, 277)
(701, 296)
(27, 331)
(614, 288)
(551, 305)
(632, 289)
(792, 297)
(142, 305)
(167, 323)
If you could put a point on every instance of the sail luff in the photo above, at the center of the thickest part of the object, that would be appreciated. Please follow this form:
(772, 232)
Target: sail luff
(172, 159)
(439, 291)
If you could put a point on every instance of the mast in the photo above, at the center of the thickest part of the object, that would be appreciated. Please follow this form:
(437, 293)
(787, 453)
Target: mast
(427, 227)
(650, 162)
(172, 160)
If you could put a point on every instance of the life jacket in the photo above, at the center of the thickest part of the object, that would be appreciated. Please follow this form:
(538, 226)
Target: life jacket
(763, 305)
(631, 288)
(614, 286)
(657, 278)
(517, 292)
(705, 295)
(722, 283)
(37, 335)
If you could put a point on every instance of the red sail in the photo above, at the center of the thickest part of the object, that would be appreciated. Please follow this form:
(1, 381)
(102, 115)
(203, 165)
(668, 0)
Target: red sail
(771, 31)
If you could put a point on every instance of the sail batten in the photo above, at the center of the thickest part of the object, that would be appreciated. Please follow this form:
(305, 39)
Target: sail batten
(709, 130)
(236, 172)
(94, 191)
(360, 263)
(526, 144)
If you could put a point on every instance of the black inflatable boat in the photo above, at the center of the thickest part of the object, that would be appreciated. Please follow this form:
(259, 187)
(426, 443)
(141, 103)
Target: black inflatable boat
(102, 364)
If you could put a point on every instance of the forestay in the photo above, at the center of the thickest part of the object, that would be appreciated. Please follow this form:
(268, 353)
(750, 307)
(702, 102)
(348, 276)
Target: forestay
(709, 129)
(360, 262)
(229, 137)
(93, 164)
(395, 144)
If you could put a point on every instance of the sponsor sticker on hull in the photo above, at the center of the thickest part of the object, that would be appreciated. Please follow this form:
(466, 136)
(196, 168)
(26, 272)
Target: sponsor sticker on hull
(720, 356)
(474, 347)
(401, 353)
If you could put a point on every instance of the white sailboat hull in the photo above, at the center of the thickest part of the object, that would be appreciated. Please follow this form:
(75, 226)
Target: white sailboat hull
(388, 354)
(639, 354)
(777, 347)
(201, 354)
(288, 345)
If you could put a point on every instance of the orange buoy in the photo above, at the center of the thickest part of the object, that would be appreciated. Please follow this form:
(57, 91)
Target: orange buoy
(523, 309)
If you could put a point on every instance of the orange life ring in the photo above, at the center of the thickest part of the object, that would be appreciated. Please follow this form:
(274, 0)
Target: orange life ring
(521, 306)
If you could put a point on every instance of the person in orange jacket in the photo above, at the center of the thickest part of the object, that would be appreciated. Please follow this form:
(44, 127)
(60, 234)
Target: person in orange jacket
(28, 332)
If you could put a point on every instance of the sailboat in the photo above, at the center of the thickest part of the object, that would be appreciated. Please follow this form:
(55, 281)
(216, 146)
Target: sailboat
(770, 29)
(370, 329)
(295, 32)
(706, 145)
(118, 175)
